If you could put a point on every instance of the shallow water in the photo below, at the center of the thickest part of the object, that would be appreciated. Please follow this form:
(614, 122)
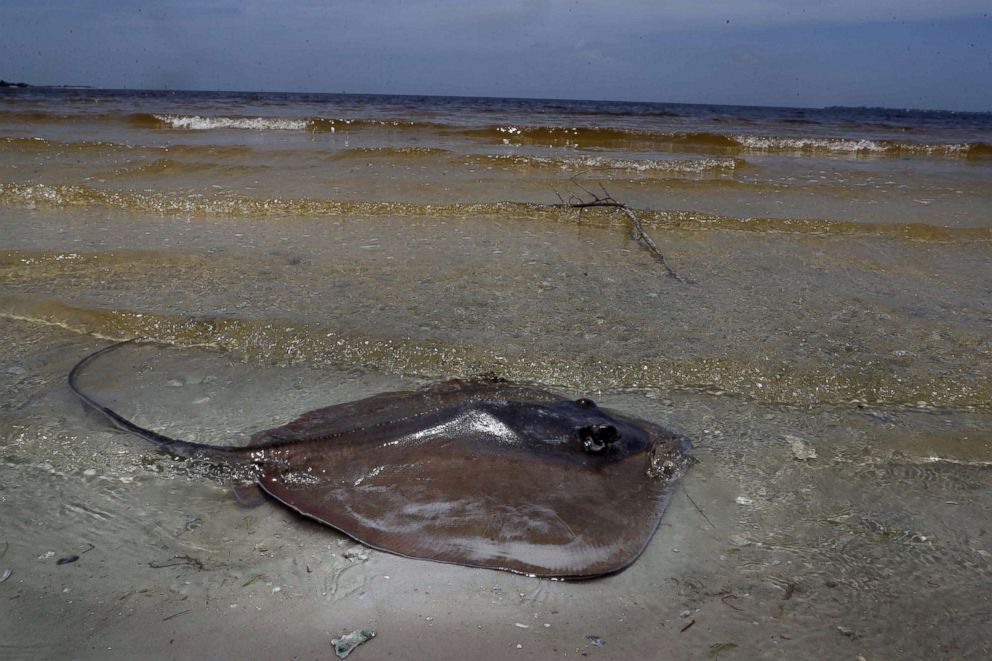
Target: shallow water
(837, 304)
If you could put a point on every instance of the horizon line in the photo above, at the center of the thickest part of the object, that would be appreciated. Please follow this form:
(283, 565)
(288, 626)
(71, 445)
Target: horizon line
(70, 87)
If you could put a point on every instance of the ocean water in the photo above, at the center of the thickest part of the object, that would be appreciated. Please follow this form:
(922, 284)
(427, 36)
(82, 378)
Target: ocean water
(827, 347)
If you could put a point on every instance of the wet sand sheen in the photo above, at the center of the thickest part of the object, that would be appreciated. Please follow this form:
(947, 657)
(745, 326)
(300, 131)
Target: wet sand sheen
(834, 527)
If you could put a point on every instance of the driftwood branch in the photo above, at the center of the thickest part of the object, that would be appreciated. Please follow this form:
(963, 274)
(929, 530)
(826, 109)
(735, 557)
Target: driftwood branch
(605, 200)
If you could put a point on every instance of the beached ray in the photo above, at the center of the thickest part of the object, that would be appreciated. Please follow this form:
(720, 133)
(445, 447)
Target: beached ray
(483, 473)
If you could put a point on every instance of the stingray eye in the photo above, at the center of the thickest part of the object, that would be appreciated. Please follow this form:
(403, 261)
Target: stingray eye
(585, 403)
(598, 438)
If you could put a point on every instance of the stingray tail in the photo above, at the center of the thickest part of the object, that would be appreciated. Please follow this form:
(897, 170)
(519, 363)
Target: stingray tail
(173, 446)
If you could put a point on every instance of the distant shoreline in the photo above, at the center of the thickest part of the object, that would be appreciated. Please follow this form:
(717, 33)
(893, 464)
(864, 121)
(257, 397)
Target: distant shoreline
(4, 84)
(8, 84)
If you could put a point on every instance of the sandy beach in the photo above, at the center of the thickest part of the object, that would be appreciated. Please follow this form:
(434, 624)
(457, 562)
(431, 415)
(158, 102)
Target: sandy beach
(827, 353)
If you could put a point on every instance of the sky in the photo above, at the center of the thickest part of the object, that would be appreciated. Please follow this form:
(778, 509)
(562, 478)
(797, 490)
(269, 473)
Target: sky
(896, 53)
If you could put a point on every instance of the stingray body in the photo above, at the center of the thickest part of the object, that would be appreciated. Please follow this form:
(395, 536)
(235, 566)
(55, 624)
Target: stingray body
(482, 473)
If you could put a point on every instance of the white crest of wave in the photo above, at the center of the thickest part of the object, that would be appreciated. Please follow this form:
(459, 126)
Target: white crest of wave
(682, 165)
(693, 166)
(759, 142)
(196, 122)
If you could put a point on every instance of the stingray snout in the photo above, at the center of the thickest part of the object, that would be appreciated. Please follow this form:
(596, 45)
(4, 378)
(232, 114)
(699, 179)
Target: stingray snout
(598, 438)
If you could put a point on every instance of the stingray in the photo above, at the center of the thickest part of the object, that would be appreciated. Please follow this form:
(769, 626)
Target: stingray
(477, 472)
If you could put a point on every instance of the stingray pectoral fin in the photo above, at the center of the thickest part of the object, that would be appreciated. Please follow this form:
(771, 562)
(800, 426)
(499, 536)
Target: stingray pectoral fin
(546, 518)
(249, 494)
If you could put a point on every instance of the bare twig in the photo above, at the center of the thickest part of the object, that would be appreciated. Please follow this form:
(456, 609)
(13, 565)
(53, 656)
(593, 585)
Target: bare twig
(180, 560)
(188, 610)
(726, 603)
(605, 200)
(698, 509)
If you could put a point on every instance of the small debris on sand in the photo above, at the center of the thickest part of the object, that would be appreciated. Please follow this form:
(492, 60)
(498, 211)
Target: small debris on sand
(345, 645)
(596, 641)
(717, 648)
(801, 450)
(739, 539)
(360, 555)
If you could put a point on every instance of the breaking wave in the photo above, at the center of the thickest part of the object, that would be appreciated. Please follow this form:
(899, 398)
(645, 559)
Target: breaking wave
(198, 123)
(313, 124)
(726, 143)
(578, 137)
(645, 166)
(866, 147)
(519, 161)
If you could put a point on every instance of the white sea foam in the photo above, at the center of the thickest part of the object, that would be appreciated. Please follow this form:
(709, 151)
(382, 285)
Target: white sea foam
(846, 146)
(695, 165)
(198, 123)
(760, 142)
(630, 165)
(939, 150)
(934, 459)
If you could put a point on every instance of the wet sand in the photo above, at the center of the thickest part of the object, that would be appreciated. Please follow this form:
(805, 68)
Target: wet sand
(872, 548)
(829, 355)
